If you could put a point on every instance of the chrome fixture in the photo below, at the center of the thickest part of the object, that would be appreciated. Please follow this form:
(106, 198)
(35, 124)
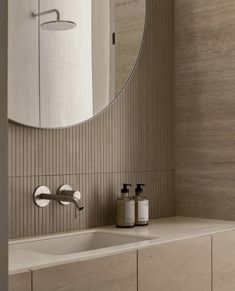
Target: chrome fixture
(55, 25)
(65, 195)
(66, 190)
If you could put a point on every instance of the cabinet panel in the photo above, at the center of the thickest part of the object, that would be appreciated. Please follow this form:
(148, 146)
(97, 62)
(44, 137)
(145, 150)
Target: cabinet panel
(20, 281)
(176, 266)
(223, 245)
(117, 272)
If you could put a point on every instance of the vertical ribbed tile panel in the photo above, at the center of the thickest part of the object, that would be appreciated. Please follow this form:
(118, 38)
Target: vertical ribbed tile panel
(131, 141)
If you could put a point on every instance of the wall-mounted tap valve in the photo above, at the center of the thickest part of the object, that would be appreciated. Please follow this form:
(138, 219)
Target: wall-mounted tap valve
(65, 195)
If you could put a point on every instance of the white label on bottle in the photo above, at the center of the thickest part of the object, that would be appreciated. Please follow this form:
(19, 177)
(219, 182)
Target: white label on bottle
(129, 212)
(143, 210)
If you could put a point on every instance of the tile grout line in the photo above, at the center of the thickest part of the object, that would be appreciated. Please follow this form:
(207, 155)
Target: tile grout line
(31, 280)
(94, 173)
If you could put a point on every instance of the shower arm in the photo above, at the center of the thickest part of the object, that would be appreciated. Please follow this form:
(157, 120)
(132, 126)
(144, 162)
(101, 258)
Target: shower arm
(36, 14)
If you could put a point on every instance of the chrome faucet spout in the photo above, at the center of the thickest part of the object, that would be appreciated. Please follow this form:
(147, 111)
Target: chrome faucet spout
(78, 203)
(63, 198)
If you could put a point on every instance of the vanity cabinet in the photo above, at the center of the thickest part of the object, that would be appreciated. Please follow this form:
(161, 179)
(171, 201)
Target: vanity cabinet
(176, 266)
(201, 263)
(115, 272)
(20, 281)
(223, 249)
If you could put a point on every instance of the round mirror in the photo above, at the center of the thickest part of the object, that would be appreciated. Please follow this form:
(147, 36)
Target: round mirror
(69, 61)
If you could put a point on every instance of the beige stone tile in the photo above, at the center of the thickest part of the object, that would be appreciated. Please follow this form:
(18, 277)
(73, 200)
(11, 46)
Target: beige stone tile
(205, 106)
(223, 261)
(205, 190)
(118, 272)
(176, 266)
(20, 281)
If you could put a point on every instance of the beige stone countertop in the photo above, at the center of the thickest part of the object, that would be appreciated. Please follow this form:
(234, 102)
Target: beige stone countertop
(159, 231)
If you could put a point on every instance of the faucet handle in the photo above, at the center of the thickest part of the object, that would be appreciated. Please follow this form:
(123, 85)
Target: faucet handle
(40, 190)
(66, 189)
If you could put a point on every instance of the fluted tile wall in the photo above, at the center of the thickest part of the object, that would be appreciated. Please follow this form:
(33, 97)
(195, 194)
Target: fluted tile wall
(131, 141)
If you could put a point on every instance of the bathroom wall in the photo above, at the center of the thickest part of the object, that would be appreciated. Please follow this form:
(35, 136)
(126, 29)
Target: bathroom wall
(205, 108)
(3, 148)
(132, 141)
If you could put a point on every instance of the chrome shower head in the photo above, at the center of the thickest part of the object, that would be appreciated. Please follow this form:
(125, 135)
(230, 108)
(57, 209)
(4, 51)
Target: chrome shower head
(58, 25)
(55, 25)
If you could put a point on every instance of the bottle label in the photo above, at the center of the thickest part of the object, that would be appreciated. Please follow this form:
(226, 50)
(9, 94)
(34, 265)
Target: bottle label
(143, 210)
(130, 212)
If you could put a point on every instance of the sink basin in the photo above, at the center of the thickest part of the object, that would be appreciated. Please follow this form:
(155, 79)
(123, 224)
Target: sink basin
(78, 242)
(60, 248)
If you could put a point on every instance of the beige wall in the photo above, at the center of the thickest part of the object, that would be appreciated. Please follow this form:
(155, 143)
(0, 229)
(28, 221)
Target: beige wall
(132, 141)
(3, 147)
(205, 108)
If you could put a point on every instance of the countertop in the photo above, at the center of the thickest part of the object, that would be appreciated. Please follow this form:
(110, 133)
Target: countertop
(159, 231)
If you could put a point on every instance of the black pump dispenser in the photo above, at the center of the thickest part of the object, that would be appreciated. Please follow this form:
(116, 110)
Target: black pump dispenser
(125, 188)
(139, 188)
(141, 206)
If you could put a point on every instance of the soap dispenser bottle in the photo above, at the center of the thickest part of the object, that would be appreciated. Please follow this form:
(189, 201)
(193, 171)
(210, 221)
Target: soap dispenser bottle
(125, 209)
(141, 207)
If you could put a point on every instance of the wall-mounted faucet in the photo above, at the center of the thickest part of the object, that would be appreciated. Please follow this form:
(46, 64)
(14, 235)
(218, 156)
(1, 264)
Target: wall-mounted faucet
(65, 195)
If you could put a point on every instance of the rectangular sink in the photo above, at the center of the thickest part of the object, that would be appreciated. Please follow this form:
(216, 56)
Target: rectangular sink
(79, 242)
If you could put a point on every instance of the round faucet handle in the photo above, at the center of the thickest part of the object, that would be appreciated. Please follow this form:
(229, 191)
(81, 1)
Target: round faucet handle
(36, 196)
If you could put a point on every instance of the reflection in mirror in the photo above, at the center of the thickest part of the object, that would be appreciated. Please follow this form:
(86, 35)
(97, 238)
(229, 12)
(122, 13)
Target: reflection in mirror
(67, 62)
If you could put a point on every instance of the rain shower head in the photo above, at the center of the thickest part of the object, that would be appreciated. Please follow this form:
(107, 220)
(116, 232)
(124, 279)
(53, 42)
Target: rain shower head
(55, 25)
(58, 25)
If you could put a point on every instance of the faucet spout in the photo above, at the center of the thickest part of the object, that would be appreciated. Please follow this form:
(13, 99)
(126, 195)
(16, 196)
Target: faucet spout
(78, 203)
(64, 198)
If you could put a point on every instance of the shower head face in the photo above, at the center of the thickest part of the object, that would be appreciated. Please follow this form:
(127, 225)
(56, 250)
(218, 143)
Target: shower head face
(58, 25)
